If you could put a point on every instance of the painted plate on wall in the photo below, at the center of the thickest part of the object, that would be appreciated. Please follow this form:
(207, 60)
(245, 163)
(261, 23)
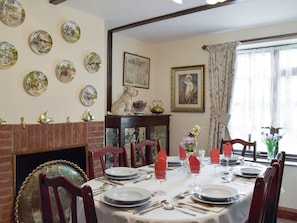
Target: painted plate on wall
(41, 42)
(35, 83)
(12, 13)
(92, 62)
(65, 71)
(88, 95)
(8, 55)
(71, 31)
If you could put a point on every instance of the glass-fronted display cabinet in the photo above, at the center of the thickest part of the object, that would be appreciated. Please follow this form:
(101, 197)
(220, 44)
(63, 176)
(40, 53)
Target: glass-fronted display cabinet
(122, 130)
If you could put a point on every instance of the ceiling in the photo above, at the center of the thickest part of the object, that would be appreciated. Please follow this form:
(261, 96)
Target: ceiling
(232, 15)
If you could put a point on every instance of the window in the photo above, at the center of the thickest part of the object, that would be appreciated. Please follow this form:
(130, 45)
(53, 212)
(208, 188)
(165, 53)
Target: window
(265, 95)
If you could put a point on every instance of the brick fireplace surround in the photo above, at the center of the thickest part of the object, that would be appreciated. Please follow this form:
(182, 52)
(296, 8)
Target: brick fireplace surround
(39, 138)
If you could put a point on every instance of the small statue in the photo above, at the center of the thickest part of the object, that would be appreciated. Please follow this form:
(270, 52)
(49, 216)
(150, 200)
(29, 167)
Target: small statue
(45, 119)
(87, 116)
(123, 106)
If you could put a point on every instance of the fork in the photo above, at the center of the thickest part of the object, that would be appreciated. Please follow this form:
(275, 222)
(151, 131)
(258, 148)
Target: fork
(182, 195)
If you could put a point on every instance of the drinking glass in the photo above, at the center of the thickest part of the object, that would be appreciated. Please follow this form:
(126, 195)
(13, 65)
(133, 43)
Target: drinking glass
(183, 159)
(160, 176)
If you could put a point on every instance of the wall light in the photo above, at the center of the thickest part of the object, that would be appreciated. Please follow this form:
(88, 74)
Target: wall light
(212, 2)
(178, 1)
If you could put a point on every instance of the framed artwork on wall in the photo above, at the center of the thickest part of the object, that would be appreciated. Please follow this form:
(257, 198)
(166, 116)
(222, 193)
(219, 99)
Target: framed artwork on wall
(136, 70)
(188, 89)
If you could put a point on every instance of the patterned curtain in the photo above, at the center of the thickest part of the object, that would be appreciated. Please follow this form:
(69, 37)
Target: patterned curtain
(222, 59)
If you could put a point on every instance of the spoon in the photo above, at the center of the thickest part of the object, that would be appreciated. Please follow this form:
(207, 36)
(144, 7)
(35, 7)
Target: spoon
(147, 177)
(169, 206)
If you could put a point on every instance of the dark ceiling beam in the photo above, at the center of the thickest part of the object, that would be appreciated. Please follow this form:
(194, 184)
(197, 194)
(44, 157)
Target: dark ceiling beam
(174, 15)
(56, 2)
(145, 22)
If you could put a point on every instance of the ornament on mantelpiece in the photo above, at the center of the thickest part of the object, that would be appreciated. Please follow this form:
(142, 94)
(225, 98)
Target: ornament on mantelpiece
(87, 116)
(45, 119)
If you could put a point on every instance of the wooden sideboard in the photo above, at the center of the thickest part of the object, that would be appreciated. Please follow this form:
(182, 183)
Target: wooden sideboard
(121, 130)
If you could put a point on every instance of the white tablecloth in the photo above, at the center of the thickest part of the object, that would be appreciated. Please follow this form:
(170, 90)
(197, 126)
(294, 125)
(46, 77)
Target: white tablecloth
(178, 181)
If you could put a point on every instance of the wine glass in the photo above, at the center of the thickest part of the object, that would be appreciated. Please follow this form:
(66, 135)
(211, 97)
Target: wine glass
(182, 158)
(160, 176)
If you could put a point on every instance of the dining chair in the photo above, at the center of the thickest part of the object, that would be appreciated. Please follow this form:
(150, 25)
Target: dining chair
(264, 190)
(244, 144)
(65, 193)
(143, 153)
(106, 157)
(271, 216)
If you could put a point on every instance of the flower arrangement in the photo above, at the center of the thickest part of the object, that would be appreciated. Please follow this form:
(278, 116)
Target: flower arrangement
(191, 140)
(271, 139)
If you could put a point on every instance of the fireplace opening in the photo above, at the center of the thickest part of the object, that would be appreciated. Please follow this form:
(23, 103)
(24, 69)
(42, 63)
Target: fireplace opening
(24, 164)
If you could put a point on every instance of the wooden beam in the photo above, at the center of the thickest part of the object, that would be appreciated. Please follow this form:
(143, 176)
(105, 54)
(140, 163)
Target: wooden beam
(56, 2)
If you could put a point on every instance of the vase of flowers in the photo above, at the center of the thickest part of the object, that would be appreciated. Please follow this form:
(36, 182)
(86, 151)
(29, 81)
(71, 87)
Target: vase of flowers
(190, 141)
(271, 142)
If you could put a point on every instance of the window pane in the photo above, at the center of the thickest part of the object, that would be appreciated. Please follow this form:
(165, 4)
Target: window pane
(265, 95)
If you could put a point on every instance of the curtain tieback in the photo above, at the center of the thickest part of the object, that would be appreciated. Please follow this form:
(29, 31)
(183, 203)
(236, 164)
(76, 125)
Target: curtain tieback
(220, 116)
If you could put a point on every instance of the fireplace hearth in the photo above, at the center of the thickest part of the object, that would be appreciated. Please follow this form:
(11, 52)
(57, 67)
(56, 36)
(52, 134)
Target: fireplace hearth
(34, 139)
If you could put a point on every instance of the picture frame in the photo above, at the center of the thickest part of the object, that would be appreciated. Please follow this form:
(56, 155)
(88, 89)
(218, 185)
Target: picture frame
(136, 70)
(188, 89)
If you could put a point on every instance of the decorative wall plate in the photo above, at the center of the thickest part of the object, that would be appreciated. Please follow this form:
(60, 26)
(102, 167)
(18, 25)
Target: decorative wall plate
(92, 62)
(65, 71)
(8, 55)
(12, 13)
(41, 42)
(88, 95)
(28, 203)
(70, 32)
(35, 83)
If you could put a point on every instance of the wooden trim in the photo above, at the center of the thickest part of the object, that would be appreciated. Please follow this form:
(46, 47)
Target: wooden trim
(56, 2)
(287, 213)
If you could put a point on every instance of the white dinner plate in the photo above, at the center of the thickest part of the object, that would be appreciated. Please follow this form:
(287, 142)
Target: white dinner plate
(197, 197)
(245, 175)
(124, 205)
(173, 161)
(213, 192)
(121, 172)
(250, 171)
(122, 178)
(128, 195)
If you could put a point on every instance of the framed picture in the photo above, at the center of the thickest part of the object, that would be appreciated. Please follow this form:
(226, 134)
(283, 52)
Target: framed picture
(188, 89)
(136, 70)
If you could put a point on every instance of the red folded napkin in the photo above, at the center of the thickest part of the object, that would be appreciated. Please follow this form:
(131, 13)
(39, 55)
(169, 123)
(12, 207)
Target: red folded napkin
(194, 164)
(160, 169)
(227, 149)
(162, 155)
(182, 153)
(214, 156)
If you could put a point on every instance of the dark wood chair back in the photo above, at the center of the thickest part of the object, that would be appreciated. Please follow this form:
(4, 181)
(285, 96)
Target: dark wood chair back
(263, 193)
(145, 150)
(271, 216)
(51, 190)
(245, 145)
(114, 155)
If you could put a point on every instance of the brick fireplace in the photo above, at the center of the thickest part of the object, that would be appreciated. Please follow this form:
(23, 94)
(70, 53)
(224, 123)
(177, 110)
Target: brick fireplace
(14, 139)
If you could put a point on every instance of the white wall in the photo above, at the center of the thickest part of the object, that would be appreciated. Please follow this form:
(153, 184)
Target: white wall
(60, 99)
(123, 44)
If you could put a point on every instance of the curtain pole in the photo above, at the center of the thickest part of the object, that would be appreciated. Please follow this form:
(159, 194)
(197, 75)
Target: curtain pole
(204, 47)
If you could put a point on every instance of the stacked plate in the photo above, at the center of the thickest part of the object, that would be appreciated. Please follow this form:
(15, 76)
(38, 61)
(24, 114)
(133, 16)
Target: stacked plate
(216, 194)
(121, 173)
(233, 160)
(173, 161)
(248, 172)
(127, 197)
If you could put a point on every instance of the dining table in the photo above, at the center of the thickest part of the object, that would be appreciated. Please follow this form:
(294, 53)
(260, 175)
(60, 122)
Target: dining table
(212, 178)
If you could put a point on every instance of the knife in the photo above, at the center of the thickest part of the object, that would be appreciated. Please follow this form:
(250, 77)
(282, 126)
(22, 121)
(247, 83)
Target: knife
(150, 209)
(111, 182)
